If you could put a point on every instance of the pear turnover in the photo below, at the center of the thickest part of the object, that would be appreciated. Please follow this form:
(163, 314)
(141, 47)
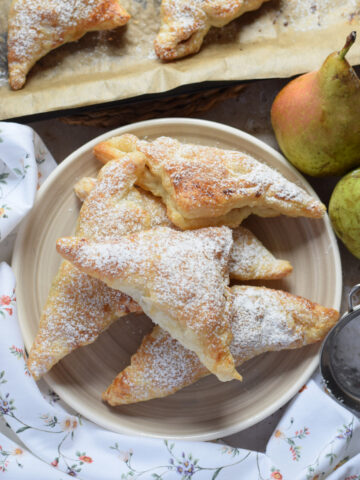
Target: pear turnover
(180, 279)
(36, 27)
(262, 320)
(205, 186)
(184, 23)
(79, 308)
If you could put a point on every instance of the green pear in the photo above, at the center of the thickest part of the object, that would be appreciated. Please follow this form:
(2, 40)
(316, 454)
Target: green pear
(344, 211)
(316, 117)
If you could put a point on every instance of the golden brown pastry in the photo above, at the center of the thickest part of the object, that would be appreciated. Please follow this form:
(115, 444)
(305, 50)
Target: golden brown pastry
(178, 278)
(115, 207)
(115, 147)
(184, 23)
(249, 259)
(206, 186)
(35, 27)
(80, 307)
(83, 187)
(263, 320)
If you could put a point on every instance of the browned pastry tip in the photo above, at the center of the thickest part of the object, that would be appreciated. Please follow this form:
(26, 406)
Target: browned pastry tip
(115, 147)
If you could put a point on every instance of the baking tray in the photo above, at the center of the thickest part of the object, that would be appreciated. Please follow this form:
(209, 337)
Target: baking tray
(283, 38)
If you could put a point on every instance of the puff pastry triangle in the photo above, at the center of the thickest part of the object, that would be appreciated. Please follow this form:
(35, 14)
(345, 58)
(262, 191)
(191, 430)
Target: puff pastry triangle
(79, 307)
(184, 23)
(205, 186)
(35, 27)
(262, 320)
(178, 278)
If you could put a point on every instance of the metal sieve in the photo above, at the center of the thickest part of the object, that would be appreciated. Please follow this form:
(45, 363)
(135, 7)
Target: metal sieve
(340, 356)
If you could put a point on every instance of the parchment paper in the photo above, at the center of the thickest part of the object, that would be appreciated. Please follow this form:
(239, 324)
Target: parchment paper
(281, 39)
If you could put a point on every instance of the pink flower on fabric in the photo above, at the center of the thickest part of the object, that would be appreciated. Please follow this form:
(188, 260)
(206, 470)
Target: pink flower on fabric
(86, 459)
(5, 300)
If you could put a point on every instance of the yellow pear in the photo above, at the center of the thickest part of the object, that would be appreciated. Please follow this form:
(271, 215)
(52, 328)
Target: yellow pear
(316, 117)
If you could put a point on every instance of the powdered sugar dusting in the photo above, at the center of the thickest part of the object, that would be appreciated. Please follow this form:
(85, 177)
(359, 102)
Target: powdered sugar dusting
(184, 271)
(206, 181)
(250, 260)
(160, 367)
(262, 320)
(78, 309)
(248, 255)
(185, 23)
(34, 24)
(179, 279)
(114, 207)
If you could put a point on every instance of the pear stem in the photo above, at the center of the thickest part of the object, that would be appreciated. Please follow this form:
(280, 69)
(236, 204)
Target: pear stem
(350, 39)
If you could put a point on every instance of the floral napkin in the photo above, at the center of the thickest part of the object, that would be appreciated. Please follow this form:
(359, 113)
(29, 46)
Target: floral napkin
(316, 438)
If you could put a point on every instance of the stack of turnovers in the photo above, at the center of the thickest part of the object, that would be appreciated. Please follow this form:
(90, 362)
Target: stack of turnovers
(153, 235)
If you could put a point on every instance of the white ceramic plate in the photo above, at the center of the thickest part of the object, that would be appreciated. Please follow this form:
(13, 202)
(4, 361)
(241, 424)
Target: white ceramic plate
(208, 409)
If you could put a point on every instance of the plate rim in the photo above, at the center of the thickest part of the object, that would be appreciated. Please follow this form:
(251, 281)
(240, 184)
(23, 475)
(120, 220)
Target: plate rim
(240, 134)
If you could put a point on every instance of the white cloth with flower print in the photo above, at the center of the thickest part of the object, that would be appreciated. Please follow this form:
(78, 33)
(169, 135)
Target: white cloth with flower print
(24, 162)
(316, 438)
